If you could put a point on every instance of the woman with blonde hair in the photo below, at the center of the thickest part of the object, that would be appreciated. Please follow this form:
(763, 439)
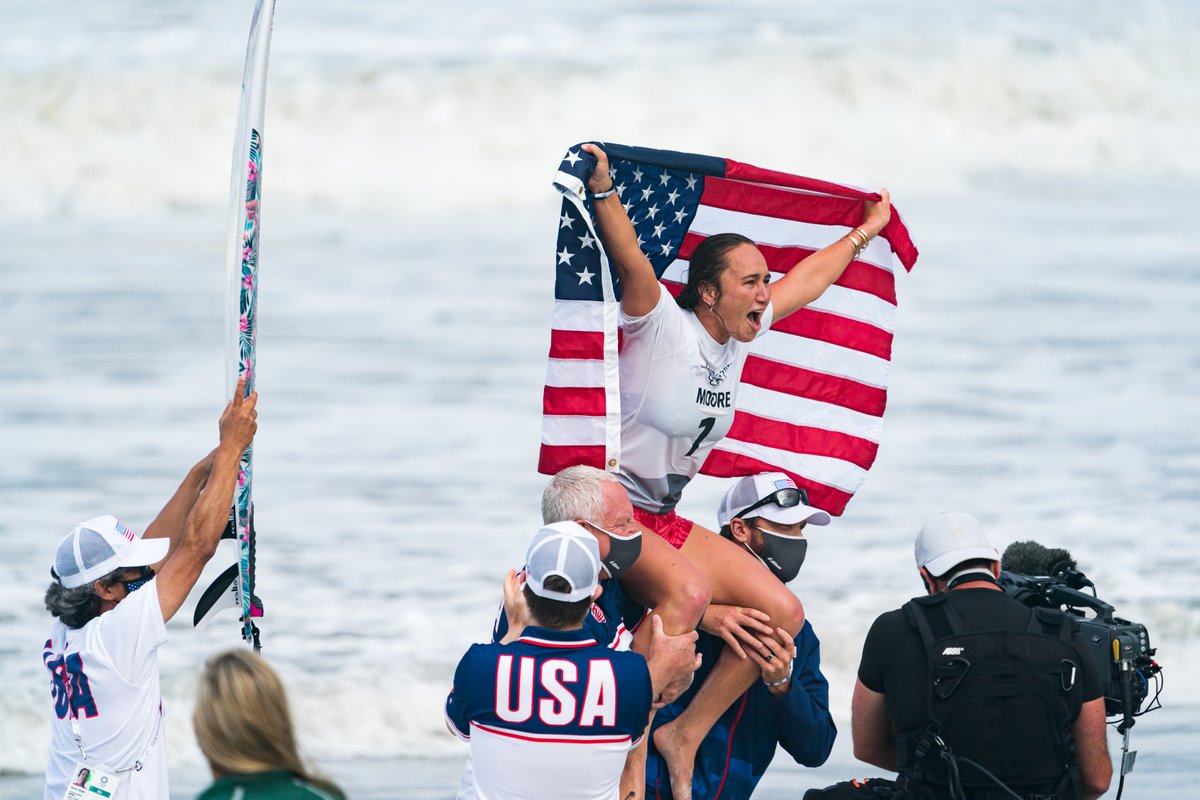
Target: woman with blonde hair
(244, 728)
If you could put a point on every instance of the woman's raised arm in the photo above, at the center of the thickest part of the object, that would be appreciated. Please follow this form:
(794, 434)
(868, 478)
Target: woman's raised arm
(808, 279)
(640, 290)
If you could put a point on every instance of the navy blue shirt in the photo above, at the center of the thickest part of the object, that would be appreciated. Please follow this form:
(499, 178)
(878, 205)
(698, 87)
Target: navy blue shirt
(550, 711)
(736, 752)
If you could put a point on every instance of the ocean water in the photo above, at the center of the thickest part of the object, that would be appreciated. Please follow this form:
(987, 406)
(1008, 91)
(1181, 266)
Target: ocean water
(1044, 378)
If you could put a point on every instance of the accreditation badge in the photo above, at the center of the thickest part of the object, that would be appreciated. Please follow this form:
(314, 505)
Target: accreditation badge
(91, 782)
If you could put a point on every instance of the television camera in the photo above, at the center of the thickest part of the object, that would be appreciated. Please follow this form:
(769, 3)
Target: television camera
(1049, 578)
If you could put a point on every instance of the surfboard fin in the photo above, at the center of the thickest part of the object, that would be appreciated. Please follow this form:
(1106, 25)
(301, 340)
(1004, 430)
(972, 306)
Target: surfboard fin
(220, 595)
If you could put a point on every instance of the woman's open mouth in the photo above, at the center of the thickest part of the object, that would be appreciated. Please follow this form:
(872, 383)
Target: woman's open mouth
(755, 318)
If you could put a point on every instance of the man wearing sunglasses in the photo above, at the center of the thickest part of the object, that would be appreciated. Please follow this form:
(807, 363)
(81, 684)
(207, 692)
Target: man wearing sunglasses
(112, 593)
(766, 514)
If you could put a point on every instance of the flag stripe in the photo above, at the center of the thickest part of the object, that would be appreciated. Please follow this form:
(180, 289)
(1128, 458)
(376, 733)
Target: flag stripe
(569, 372)
(827, 416)
(554, 458)
(822, 357)
(578, 315)
(814, 386)
(573, 429)
(566, 344)
(805, 439)
(573, 401)
(782, 203)
(838, 330)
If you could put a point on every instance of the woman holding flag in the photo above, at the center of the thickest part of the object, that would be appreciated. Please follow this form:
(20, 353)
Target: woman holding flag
(680, 366)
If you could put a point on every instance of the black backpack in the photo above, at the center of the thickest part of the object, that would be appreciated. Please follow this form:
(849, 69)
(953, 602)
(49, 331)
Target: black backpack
(999, 707)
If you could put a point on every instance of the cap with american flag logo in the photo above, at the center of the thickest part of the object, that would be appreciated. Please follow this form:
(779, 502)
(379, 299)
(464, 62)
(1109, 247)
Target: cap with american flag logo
(97, 547)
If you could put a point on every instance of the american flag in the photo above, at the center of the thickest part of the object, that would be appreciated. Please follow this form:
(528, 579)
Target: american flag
(814, 388)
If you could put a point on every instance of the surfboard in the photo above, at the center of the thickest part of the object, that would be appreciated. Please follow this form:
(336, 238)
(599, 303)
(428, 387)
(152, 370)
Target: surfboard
(235, 587)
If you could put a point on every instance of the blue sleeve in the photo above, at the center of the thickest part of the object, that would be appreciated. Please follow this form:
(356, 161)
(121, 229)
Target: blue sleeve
(456, 703)
(806, 728)
(633, 680)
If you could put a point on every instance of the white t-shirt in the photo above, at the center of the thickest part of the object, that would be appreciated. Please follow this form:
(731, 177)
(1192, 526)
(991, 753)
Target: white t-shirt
(678, 389)
(105, 675)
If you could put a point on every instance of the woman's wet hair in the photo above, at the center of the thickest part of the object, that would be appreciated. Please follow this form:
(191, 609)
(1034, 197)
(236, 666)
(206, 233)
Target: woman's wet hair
(243, 722)
(707, 263)
(79, 606)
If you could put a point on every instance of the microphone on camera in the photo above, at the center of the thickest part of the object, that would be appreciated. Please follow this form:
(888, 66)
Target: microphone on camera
(1031, 558)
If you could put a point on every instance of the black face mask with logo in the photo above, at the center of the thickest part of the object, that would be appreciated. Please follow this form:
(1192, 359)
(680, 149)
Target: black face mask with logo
(623, 551)
(783, 555)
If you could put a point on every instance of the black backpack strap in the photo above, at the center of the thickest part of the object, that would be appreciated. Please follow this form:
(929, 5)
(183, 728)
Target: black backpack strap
(1053, 622)
(933, 618)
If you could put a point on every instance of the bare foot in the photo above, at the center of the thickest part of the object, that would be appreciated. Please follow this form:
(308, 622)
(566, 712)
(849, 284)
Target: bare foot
(633, 777)
(680, 757)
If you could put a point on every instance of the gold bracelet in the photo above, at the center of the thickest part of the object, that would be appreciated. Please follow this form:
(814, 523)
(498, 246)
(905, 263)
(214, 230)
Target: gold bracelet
(865, 239)
(848, 239)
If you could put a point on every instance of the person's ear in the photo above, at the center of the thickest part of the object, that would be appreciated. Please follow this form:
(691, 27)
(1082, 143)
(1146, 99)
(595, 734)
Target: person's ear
(741, 530)
(596, 594)
(106, 591)
(996, 570)
(928, 580)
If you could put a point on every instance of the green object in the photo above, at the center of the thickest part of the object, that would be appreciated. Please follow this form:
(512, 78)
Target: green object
(276, 785)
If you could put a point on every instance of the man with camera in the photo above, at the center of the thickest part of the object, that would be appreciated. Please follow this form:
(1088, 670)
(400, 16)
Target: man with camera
(968, 692)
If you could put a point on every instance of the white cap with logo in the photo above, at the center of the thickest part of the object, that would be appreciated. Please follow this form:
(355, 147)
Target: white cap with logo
(101, 545)
(745, 500)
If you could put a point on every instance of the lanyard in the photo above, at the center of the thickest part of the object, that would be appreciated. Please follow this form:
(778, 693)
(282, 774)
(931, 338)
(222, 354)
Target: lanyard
(136, 766)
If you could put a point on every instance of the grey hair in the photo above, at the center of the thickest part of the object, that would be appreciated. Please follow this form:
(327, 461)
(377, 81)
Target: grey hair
(79, 606)
(574, 493)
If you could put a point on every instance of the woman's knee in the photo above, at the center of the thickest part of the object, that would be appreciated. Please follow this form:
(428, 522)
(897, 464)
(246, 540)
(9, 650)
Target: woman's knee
(685, 603)
(788, 611)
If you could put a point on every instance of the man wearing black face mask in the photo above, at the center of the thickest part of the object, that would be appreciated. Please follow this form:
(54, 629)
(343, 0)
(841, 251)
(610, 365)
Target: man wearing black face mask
(766, 514)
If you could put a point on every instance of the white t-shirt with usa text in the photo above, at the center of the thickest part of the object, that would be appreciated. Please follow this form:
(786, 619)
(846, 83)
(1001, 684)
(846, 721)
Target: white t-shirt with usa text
(105, 677)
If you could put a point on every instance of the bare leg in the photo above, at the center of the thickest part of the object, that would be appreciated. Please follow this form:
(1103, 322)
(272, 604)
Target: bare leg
(664, 580)
(737, 578)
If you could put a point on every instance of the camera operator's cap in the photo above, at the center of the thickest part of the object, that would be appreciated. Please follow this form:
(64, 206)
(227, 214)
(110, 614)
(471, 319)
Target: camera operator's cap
(100, 546)
(751, 490)
(567, 550)
(951, 538)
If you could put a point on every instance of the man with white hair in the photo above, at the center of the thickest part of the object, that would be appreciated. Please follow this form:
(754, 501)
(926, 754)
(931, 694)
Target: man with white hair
(595, 500)
(967, 691)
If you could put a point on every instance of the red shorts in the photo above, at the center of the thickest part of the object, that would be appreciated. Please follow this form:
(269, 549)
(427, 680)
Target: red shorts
(670, 526)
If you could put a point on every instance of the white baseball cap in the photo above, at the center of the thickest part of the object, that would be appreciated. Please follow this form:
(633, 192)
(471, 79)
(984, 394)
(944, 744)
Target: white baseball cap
(101, 545)
(951, 538)
(567, 550)
(743, 499)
